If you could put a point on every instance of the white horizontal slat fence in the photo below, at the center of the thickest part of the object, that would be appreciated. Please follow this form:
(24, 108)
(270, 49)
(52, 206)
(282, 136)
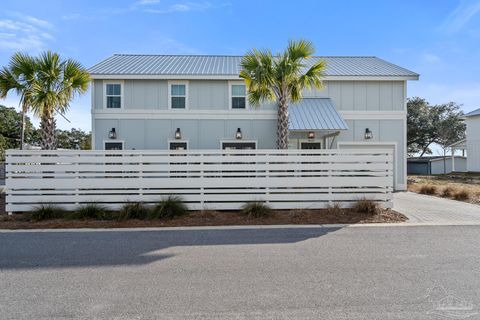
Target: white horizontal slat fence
(213, 179)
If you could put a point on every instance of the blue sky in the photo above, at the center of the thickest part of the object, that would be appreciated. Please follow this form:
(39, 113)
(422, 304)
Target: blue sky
(438, 39)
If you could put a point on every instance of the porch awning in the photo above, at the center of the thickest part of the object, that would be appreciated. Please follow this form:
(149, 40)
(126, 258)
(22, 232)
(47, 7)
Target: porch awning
(315, 114)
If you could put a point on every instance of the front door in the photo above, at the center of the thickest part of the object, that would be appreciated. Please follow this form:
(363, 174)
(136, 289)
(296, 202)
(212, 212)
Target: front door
(310, 145)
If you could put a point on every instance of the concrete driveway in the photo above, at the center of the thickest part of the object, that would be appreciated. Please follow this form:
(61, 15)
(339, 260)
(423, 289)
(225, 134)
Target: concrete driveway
(421, 208)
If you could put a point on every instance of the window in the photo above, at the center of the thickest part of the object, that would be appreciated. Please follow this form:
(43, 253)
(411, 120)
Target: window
(113, 93)
(238, 96)
(178, 96)
(114, 145)
(236, 145)
(178, 145)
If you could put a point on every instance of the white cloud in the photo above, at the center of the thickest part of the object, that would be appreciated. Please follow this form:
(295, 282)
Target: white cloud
(459, 17)
(146, 2)
(24, 33)
(431, 58)
(185, 7)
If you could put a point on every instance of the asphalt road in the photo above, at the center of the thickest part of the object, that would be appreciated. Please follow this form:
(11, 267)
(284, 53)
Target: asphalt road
(415, 272)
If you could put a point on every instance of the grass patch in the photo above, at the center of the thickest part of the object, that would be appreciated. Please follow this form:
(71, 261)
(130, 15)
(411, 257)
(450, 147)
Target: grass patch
(447, 192)
(256, 209)
(335, 208)
(91, 211)
(47, 212)
(366, 206)
(461, 195)
(133, 210)
(428, 189)
(170, 207)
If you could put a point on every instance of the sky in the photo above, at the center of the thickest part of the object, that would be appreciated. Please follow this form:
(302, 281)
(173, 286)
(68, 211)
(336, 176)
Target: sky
(439, 39)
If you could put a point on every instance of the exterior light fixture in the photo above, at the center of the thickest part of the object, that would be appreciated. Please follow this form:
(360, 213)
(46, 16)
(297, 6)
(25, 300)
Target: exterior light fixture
(238, 134)
(368, 134)
(311, 135)
(178, 134)
(112, 134)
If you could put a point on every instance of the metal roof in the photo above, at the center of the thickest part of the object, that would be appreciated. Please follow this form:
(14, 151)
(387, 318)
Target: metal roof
(315, 114)
(211, 65)
(473, 113)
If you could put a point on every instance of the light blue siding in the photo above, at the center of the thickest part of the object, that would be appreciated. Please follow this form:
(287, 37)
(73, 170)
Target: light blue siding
(208, 95)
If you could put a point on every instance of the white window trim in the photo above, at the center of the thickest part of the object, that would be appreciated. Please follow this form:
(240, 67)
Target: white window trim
(114, 141)
(177, 141)
(230, 96)
(238, 141)
(170, 83)
(121, 83)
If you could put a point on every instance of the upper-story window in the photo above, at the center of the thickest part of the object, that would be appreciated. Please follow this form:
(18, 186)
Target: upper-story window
(178, 95)
(238, 96)
(113, 95)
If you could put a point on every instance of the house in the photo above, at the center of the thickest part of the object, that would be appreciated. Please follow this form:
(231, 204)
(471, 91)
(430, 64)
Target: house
(200, 102)
(471, 143)
(435, 165)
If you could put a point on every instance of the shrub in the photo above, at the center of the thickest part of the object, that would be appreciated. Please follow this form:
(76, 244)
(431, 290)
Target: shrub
(335, 208)
(366, 206)
(91, 211)
(461, 195)
(170, 207)
(428, 189)
(448, 192)
(47, 212)
(256, 209)
(133, 210)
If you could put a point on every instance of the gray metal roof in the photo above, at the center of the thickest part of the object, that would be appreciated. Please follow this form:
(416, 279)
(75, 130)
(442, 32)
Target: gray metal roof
(209, 65)
(473, 113)
(315, 114)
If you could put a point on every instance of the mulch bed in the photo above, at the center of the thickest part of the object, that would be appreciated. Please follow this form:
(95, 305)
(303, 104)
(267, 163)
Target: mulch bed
(211, 218)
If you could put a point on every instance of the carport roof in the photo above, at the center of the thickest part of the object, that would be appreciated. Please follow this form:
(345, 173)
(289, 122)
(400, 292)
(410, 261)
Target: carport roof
(315, 114)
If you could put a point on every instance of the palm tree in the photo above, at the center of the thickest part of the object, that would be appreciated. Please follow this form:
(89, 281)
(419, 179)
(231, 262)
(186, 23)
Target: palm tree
(19, 77)
(56, 83)
(281, 78)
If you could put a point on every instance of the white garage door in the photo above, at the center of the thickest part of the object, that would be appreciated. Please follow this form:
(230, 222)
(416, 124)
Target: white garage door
(374, 146)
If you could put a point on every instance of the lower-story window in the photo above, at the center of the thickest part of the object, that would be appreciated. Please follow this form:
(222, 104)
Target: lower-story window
(238, 145)
(113, 145)
(178, 145)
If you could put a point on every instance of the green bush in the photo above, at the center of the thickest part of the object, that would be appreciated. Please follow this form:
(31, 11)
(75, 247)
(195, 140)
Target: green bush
(133, 210)
(170, 207)
(366, 206)
(256, 209)
(91, 211)
(47, 212)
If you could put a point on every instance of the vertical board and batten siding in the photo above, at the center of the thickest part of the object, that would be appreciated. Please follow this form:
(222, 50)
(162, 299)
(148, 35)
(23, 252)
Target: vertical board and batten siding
(215, 179)
(473, 143)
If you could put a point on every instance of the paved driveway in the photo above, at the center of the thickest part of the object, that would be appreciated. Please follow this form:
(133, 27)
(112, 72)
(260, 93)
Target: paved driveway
(408, 272)
(430, 209)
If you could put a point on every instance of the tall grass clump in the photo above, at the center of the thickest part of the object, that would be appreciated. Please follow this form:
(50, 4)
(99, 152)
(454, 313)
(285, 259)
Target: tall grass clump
(448, 192)
(47, 212)
(133, 210)
(461, 195)
(366, 206)
(256, 209)
(91, 211)
(335, 209)
(169, 207)
(428, 189)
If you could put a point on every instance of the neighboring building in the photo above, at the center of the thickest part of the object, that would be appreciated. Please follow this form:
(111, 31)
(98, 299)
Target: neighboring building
(472, 141)
(435, 165)
(200, 102)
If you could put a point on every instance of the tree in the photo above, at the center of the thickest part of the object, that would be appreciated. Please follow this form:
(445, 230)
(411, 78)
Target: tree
(19, 77)
(438, 124)
(281, 78)
(10, 130)
(73, 139)
(56, 83)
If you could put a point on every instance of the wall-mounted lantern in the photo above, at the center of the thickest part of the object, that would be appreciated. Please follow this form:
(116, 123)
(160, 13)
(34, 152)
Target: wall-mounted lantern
(238, 134)
(311, 135)
(178, 134)
(368, 134)
(112, 134)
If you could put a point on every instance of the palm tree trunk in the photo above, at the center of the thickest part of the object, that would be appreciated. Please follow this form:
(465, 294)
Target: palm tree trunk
(48, 130)
(282, 124)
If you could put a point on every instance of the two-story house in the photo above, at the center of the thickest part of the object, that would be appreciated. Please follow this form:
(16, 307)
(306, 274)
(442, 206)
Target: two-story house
(200, 102)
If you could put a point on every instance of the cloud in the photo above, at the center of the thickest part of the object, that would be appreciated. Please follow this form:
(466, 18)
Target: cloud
(460, 16)
(146, 2)
(431, 58)
(183, 7)
(24, 33)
